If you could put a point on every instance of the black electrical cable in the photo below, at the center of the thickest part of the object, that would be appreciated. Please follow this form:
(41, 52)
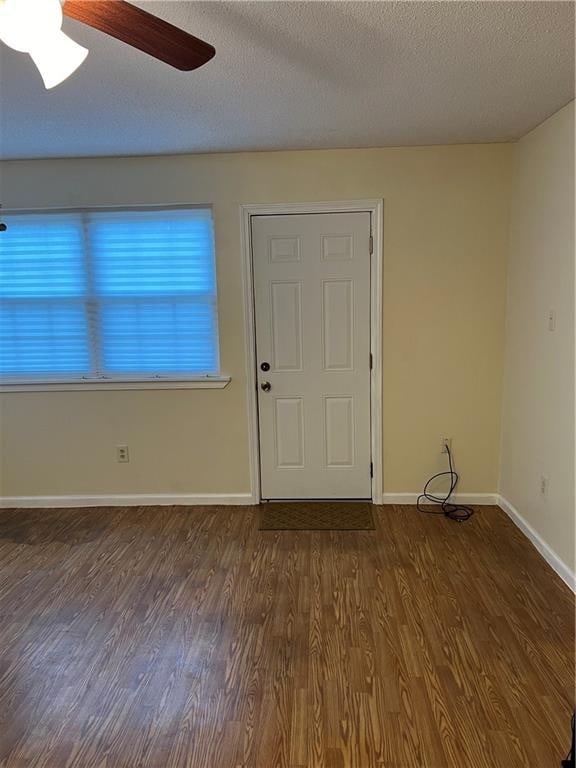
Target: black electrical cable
(570, 760)
(457, 512)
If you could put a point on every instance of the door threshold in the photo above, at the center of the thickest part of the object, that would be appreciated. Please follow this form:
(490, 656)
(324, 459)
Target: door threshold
(320, 501)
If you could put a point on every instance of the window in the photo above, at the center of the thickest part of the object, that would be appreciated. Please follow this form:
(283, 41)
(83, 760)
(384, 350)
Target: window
(107, 295)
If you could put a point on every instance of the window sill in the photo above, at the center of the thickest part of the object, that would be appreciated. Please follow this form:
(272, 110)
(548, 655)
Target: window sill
(201, 382)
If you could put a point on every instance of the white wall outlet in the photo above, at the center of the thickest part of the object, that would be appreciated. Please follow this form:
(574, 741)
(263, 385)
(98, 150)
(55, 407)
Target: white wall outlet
(122, 454)
(544, 480)
(446, 441)
(551, 320)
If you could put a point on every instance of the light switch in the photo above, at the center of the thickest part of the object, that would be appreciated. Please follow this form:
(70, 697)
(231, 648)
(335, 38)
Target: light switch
(551, 320)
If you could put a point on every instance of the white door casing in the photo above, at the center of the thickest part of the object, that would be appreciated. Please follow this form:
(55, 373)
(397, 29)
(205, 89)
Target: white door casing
(312, 313)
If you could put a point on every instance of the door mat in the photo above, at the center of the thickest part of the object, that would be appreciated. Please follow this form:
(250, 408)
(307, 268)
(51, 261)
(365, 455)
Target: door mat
(316, 516)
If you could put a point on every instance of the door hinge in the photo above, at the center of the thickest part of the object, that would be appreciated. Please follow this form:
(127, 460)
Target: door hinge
(371, 244)
(371, 361)
(371, 469)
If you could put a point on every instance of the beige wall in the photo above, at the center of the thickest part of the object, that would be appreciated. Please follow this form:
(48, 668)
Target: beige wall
(538, 410)
(445, 242)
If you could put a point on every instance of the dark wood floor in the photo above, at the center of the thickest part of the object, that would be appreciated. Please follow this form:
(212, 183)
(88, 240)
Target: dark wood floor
(174, 638)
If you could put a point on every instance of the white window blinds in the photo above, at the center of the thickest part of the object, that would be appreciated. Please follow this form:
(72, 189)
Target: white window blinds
(108, 294)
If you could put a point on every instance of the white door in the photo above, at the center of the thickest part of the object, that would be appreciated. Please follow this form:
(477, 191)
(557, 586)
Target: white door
(312, 309)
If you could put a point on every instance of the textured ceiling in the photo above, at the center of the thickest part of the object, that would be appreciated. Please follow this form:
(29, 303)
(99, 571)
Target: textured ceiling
(302, 74)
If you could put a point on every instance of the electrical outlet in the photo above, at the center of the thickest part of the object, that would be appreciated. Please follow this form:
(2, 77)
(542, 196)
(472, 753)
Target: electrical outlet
(544, 485)
(122, 454)
(445, 441)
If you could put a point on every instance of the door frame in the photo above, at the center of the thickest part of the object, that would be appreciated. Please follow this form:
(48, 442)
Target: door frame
(376, 210)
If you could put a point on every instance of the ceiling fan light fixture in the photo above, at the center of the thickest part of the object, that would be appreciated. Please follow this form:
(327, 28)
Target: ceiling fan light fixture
(57, 58)
(34, 27)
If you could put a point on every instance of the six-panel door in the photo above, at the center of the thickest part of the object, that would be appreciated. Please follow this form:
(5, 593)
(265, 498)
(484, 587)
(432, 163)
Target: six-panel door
(312, 308)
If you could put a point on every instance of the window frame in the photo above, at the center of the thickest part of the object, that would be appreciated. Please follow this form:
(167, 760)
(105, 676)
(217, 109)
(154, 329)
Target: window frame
(119, 381)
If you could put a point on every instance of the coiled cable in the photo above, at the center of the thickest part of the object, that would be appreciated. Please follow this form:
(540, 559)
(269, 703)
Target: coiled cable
(457, 512)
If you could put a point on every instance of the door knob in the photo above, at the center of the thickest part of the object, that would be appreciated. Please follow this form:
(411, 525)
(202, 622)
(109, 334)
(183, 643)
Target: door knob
(265, 366)
(266, 386)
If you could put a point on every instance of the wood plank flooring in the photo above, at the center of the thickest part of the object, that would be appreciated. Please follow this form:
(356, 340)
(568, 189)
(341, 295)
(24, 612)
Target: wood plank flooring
(185, 638)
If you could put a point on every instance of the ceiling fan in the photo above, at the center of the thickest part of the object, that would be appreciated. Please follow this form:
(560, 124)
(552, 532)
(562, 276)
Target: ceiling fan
(34, 27)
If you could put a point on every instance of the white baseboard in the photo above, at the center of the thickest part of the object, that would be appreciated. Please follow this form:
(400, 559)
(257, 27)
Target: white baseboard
(461, 498)
(193, 499)
(127, 500)
(565, 573)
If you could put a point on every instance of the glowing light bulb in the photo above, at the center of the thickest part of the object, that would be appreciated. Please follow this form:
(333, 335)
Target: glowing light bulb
(33, 26)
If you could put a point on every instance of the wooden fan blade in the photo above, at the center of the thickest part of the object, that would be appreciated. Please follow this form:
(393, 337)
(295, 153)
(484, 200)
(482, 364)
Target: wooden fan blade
(142, 30)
